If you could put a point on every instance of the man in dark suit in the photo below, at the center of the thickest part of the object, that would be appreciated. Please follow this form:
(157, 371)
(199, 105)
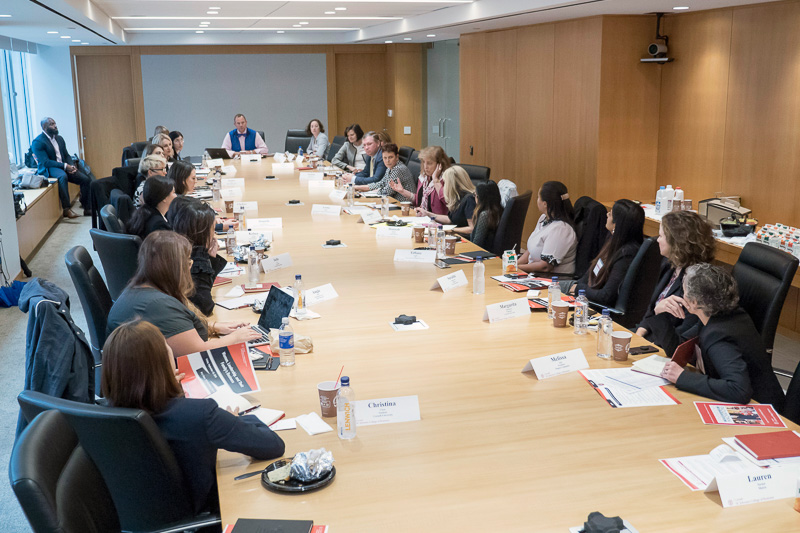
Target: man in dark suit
(374, 169)
(54, 161)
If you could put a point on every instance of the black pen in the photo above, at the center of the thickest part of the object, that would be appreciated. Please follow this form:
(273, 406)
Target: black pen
(250, 410)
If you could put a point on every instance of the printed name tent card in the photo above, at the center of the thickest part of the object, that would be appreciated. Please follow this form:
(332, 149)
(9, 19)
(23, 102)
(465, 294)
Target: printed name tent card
(312, 176)
(415, 256)
(279, 168)
(261, 223)
(326, 209)
(451, 281)
(276, 262)
(241, 207)
(231, 193)
(556, 364)
(387, 410)
(370, 217)
(229, 183)
(400, 232)
(320, 294)
(337, 195)
(319, 185)
(251, 158)
(505, 310)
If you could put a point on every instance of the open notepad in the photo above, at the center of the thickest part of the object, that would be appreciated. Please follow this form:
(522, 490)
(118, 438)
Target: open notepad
(654, 365)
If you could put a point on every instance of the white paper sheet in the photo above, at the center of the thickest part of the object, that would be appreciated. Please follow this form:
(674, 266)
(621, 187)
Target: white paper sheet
(313, 423)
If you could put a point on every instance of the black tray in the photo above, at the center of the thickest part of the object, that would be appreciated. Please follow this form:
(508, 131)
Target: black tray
(293, 485)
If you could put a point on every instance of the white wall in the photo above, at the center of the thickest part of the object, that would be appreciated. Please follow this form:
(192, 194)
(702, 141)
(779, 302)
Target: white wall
(198, 95)
(8, 222)
(52, 94)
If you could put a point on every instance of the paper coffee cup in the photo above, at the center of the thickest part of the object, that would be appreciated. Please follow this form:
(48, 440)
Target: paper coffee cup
(419, 234)
(560, 313)
(405, 208)
(450, 245)
(621, 345)
(327, 393)
(229, 206)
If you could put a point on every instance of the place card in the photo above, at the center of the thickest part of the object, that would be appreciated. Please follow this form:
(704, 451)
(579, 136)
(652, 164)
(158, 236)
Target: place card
(312, 176)
(326, 209)
(277, 222)
(251, 158)
(371, 217)
(214, 163)
(399, 232)
(229, 170)
(228, 183)
(320, 185)
(743, 488)
(241, 207)
(276, 262)
(337, 194)
(450, 281)
(387, 410)
(320, 294)
(356, 210)
(231, 193)
(415, 256)
(278, 168)
(558, 363)
(506, 310)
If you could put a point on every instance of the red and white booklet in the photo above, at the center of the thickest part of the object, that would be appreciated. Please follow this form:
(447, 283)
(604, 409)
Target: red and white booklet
(208, 371)
(734, 414)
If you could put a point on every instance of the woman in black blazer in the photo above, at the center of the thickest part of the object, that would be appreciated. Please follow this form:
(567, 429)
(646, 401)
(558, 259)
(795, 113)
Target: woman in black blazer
(157, 195)
(684, 239)
(138, 373)
(733, 360)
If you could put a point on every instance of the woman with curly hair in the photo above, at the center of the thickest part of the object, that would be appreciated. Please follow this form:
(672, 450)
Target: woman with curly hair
(684, 239)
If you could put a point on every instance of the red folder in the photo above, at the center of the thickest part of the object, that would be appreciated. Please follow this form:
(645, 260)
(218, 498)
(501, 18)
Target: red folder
(773, 445)
(221, 281)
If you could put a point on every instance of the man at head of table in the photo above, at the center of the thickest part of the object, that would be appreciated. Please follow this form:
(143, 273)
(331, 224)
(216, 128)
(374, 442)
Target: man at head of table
(243, 140)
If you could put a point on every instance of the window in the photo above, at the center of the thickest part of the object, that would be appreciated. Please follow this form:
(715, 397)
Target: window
(15, 87)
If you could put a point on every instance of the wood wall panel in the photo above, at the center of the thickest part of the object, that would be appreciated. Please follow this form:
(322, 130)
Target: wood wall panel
(629, 93)
(694, 97)
(501, 97)
(405, 97)
(472, 95)
(361, 99)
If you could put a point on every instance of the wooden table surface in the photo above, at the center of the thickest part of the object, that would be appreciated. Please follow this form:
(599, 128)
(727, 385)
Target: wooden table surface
(496, 449)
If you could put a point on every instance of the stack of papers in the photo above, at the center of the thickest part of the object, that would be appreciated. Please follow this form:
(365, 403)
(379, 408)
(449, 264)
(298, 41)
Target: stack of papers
(699, 472)
(313, 424)
(622, 387)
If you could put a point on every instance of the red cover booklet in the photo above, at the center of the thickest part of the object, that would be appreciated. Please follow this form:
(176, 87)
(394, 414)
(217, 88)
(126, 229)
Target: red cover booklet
(210, 370)
(774, 445)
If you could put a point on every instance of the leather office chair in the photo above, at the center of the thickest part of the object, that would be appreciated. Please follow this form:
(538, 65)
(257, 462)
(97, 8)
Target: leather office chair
(333, 149)
(509, 230)
(414, 156)
(263, 136)
(138, 466)
(129, 152)
(415, 167)
(132, 162)
(590, 227)
(339, 139)
(296, 139)
(58, 487)
(139, 147)
(118, 254)
(123, 205)
(95, 300)
(637, 287)
(110, 219)
(405, 154)
(764, 275)
(478, 174)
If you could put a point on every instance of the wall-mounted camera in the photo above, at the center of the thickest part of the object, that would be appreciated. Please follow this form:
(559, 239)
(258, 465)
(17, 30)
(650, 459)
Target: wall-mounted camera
(658, 49)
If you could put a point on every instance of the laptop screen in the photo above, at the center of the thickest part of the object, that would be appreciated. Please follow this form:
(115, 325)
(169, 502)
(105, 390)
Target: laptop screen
(278, 305)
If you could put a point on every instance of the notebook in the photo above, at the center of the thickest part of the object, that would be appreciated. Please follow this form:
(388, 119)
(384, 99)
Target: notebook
(773, 445)
(655, 364)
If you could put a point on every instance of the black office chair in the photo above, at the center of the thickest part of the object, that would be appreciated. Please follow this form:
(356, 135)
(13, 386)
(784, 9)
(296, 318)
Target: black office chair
(333, 149)
(132, 162)
(405, 154)
(129, 152)
(139, 147)
(137, 465)
(791, 408)
(478, 174)
(263, 136)
(415, 167)
(764, 275)
(110, 219)
(296, 139)
(590, 227)
(512, 222)
(123, 205)
(414, 156)
(118, 255)
(58, 487)
(637, 287)
(339, 139)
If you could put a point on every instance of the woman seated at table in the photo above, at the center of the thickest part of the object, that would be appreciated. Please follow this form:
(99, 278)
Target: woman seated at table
(159, 293)
(396, 173)
(429, 195)
(552, 245)
(139, 373)
(487, 214)
(177, 144)
(157, 194)
(602, 280)
(319, 141)
(384, 138)
(733, 363)
(459, 193)
(195, 220)
(163, 140)
(183, 176)
(149, 166)
(350, 156)
(684, 239)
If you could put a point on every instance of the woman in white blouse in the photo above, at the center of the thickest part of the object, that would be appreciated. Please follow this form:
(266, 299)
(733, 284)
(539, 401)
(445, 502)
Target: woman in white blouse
(319, 141)
(552, 245)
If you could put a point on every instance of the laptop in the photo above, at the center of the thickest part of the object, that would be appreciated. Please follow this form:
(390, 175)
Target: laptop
(218, 153)
(276, 308)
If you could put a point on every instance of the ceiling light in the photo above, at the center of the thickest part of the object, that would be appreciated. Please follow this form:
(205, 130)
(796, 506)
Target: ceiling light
(66, 37)
(199, 31)
(680, 8)
(388, 42)
(84, 43)
(53, 32)
(76, 40)
(5, 16)
(303, 23)
(214, 8)
(212, 12)
(341, 9)
(406, 38)
(205, 22)
(431, 35)
(281, 31)
(330, 12)
(296, 26)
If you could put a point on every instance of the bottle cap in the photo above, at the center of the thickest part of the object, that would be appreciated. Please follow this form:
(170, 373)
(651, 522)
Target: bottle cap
(253, 247)
(345, 381)
(555, 278)
(606, 312)
(581, 292)
(662, 187)
(297, 276)
(479, 259)
(285, 320)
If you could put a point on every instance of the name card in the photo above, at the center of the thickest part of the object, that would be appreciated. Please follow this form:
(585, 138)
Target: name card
(506, 310)
(763, 485)
(556, 364)
(276, 262)
(415, 256)
(450, 281)
(312, 176)
(372, 217)
(387, 410)
(337, 195)
(282, 168)
(241, 207)
(320, 294)
(320, 185)
(227, 183)
(326, 209)
(230, 193)
(254, 223)
(401, 232)
(214, 163)
(251, 158)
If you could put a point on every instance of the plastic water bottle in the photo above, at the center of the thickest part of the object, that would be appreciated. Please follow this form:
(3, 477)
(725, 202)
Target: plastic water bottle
(478, 279)
(669, 196)
(299, 296)
(553, 295)
(299, 152)
(384, 206)
(204, 161)
(441, 250)
(253, 269)
(604, 329)
(216, 190)
(345, 410)
(660, 200)
(230, 241)
(581, 313)
(286, 343)
(351, 195)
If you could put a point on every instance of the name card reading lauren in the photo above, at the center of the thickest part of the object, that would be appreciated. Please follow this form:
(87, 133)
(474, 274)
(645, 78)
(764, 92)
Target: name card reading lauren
(506, 310)
(558, 363)
(742, 488)
(450, 281)
(400, 232)
(415, 256)
(387, 410)
(326, 209)
(320, 294)
(276, 262)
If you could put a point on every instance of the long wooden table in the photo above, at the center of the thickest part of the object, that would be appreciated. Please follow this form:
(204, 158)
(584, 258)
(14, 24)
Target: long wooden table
(496, 449)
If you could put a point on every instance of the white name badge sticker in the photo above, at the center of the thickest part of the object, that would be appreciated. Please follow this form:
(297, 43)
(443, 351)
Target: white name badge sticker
(240, 207)
(373, 217)
(312, 176)
(276, 262)
(320, 294)
(227, 183)
(282, 168)
(506, 310)
(337, 195)
(326, 209)
(400, 232)
(415, 256)
(558, 363)
(251, 158)
(231, 193)
(450, 281)
(387, 410)
(743, 488)
(319, 185)
(260, 223)
(214, 163)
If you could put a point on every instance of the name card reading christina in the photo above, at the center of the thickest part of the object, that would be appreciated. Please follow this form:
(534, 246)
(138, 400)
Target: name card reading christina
(558, 363)
(415, 256)
(451, 281)
(276, 262)
(326, 209)
(387, 410)
(506, 310)
(400, 232)
(320, 294)
(743, 488)
(240, 207)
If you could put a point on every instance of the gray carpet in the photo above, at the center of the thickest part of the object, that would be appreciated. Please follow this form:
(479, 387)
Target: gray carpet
(48, 263)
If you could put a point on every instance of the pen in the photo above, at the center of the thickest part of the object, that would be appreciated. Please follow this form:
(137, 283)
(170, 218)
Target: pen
(242, 413)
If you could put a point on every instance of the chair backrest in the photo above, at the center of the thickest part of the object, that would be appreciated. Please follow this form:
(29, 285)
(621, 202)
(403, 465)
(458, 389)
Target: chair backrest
(764, 275)
(477, 173)
(132, 162)
(139, 146)
(339, 139)
(125, 178)
(129, 152)
(791, 408)
(59, 488)
(512, 222)
(110, 219)
(123, 205)
(333, 149)
(296, 139)
(415, 167)
(637, 288)
(590, 226)
(262, 135)
(414, 156)
(137, 465)
(405, 154)
(118, 253)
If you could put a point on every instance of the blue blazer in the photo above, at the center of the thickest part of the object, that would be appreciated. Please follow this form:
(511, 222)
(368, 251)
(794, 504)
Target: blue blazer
(45, 154)
(196, 429)
(363, 177)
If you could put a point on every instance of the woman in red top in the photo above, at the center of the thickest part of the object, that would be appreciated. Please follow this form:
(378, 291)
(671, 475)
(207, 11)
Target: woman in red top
(430, 189)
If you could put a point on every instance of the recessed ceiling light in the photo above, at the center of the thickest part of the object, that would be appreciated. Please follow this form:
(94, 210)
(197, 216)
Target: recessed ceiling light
(406, 38)
(84, 43)
(281, 31)
(205, 22)
(5, 16)
(680, 8)
(199, 31)
(431, 35)
(303, 23)
(341, 9)
(53, 32)
(388, 42)
(76, 40)
(296, 26)
(212, 12)
(66, 37)
(330, 12)
(214, 8)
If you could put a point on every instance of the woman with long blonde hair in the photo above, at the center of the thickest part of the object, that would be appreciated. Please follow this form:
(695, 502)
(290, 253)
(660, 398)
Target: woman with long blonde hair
(459, 195)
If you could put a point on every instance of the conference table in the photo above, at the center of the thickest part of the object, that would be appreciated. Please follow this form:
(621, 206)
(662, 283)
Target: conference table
(495, 449)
